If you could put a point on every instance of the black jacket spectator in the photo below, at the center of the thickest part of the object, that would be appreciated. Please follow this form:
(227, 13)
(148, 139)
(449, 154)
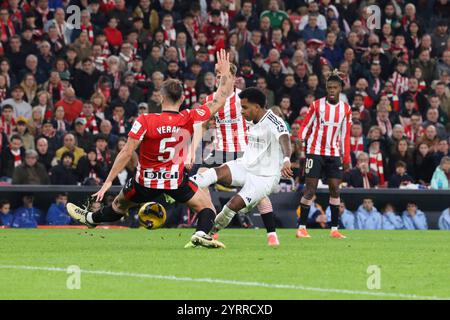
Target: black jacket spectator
(86, 169)
(61, 175)
(7, 161)
(84, 83)
(397, 180)
(354, 178)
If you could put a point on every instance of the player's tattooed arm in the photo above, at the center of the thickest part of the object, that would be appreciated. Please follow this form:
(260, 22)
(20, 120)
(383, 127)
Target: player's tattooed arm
(285, 143)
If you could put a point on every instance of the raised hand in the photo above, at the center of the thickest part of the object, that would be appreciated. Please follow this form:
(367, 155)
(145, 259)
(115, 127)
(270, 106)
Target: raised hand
(101, 193)
(223, 62)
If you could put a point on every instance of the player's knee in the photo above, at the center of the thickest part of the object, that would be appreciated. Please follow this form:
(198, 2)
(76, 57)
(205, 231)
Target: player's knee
(236, 203)
(202, 169)
(223, 174)
(120, 205)
(265, 206)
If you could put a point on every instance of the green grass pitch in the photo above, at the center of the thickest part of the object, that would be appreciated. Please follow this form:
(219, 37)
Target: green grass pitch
(142, 264)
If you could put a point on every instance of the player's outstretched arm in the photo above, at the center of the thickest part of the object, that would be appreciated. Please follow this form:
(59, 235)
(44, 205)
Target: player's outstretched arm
(226, 82)
(285, 143)
(121, 161)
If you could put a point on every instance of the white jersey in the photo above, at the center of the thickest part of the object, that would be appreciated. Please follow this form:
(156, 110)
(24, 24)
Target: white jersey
(263, 155)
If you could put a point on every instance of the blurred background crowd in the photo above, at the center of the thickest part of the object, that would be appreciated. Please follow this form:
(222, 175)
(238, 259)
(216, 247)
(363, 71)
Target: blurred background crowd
(69, 95)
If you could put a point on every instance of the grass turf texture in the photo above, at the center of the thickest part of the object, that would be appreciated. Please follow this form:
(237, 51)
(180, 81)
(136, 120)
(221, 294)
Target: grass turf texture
(411, 262)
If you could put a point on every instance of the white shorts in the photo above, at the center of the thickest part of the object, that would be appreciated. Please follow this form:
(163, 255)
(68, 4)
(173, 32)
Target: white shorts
(254, 188)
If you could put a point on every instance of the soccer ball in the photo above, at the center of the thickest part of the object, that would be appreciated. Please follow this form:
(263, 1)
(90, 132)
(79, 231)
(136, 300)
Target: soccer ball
(152, 215)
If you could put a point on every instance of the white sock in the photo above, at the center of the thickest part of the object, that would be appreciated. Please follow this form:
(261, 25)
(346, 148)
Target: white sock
(271, 233)
(302, 227)
(205, 179)
(334, 228)
(89, 218)
(200, 233)
(224, 218)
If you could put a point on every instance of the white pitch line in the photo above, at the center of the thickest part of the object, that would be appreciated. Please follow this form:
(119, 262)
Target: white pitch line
(230, 282)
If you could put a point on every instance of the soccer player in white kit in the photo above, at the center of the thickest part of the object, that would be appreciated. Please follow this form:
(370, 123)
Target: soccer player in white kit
(266, 158)
(229, 144)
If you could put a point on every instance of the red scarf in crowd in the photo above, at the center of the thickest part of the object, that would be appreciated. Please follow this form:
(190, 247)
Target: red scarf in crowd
(128, 60)
(17, 15)
(413, 136)
(90, 31)
(190, 96)
(59, 87)
(17, 157)
(393, 98)
(91, 123)
(100, 63)
(44, 14)
(422, 86)
(356, 144)
(106, 158)
(182, 54)
(60, 125)
(255, 48)
(400, 82)
(376, 164)
(279, 46)
(386, 126)
(2, 94)
(105, 49)
(7, 127)
(169, 35)
(121, 124)
(10, 26)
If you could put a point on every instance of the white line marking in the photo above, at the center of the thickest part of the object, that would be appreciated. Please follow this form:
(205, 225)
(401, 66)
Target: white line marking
(230, 282)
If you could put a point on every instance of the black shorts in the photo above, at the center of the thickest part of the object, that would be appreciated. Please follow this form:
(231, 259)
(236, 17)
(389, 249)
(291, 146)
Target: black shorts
(323, 167)
(137, 193)
(216, 158)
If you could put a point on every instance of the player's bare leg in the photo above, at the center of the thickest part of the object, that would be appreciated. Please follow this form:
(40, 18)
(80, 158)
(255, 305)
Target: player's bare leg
(108, 214)
(305, 204)
(201, 203)
(335, 201)
(223, 175)
(233, 206)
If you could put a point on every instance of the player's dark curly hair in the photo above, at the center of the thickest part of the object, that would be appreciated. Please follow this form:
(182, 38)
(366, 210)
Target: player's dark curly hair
(254, 95)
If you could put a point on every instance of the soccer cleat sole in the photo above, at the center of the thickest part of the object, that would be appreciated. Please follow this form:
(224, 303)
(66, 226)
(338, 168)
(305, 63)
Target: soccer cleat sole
(207, 243)
(78, 215)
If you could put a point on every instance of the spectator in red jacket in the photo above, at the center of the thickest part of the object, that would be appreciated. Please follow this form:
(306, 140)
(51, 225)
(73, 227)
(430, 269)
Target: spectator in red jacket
(113, 35)
(72, 106)
(214, 30)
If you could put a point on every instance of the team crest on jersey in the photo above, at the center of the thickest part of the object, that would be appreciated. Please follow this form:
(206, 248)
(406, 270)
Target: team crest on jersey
(281, 128)
(201, 112)
(136, 127)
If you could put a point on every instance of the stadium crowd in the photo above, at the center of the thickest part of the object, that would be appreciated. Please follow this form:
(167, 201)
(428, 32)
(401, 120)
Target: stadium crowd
(69, 95)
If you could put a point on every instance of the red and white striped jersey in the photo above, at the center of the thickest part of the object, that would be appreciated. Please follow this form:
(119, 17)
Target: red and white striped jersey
(165, 138)
(231, 127)
(326, 129)
(400, 83)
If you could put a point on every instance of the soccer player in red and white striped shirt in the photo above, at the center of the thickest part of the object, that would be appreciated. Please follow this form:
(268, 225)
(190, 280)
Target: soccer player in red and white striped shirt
(164, 140)
(326, 133)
